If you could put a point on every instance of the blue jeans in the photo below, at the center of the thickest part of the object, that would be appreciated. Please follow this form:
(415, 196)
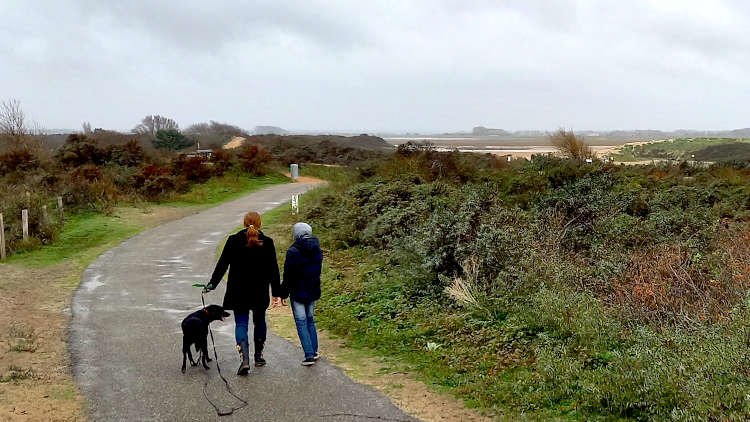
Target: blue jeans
(308, 335)
(259, 326)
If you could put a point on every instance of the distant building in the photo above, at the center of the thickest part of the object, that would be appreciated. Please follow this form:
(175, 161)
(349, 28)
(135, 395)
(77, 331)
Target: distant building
(206, 154)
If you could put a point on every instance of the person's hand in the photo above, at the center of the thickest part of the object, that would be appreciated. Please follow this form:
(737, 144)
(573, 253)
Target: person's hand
(276, 301)
(283, 302)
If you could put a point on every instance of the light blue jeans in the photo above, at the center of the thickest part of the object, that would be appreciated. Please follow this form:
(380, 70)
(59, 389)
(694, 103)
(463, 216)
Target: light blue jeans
(308, 335)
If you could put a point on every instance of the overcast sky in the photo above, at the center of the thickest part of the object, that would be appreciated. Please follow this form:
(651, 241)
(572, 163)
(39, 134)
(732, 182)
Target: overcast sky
(381, 65)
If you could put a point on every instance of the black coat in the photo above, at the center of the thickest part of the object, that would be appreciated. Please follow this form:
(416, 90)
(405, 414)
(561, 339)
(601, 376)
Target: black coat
(304, 261)
(251, 271)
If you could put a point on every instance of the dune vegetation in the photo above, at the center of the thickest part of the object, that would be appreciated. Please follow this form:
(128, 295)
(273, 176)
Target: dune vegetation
(548, 288)
(684, 149)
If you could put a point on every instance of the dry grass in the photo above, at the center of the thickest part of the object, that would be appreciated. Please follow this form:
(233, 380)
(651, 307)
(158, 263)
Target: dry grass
(464, 289)
(35, 371)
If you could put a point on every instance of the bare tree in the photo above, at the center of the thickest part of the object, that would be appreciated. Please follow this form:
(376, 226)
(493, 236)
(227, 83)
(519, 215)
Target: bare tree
(570, 145)
(154, 123)
(86, 126)
(12, 119)
(213, 133)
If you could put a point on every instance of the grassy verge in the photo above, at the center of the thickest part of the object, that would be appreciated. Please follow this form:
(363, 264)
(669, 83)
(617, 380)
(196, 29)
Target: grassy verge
(37, 286)
(330, 173)
(82, 238)
(225, 188)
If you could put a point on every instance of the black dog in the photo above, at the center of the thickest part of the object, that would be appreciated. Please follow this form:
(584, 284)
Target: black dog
(195, 331)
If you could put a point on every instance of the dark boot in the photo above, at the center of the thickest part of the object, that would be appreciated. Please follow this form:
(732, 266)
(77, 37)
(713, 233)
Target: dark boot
(245, 356)
(259, 361)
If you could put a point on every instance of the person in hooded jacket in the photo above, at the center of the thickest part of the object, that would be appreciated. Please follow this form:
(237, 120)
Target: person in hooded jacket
(302, 269)
(250, 257)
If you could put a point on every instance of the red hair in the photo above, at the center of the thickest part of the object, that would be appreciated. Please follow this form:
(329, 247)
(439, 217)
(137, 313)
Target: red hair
(253, 223)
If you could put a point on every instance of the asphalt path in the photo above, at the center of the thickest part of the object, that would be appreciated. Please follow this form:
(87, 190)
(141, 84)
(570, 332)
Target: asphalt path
(125, 338)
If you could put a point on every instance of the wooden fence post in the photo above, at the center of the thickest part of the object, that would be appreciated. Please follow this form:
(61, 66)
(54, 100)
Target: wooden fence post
(25, 224)
(60, 208)
(2, 238)
(45, 220)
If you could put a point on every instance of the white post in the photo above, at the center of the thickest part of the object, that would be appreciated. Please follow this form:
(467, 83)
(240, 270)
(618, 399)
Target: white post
(294, 172)
(2, 238)
(60, 208)
(25, 224)
(295, 204)
(510, 158)
(44, 215)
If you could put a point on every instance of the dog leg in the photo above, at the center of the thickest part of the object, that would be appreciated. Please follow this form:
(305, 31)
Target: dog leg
(190, 355)
(185, 351)
(204, 355)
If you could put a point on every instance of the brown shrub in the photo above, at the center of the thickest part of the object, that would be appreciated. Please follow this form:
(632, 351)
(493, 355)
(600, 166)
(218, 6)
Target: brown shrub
(253, 159)
(18, 160)
(669, 284)
(88, 173)
(154, 182)
(87, 187)
(571, 145)
(221, 161)
(192, 169)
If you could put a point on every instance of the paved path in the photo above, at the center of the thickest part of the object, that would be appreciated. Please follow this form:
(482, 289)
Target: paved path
(125, 337)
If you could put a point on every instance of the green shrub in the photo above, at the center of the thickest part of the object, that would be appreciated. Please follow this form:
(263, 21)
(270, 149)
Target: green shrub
(551, 288)
(171, 139)
(80, 150)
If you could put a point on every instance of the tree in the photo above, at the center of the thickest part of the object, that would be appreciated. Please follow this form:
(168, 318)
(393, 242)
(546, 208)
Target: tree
(213, 133)
(12, 119)
(570, 145)
(86, 127)
(150, 125)
(171, 139)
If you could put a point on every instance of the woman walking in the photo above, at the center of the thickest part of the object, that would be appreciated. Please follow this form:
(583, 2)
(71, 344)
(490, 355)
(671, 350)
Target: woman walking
(251, 258)
(302, 282)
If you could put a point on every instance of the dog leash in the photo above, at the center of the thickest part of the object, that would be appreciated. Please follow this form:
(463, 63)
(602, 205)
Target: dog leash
(219, 412)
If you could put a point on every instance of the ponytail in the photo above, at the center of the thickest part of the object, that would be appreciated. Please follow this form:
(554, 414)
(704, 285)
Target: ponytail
(253, 223)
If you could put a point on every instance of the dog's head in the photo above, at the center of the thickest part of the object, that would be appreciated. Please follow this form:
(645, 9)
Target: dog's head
(216, 312)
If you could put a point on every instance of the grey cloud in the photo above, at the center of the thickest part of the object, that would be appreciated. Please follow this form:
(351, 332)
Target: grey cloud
(206, 26)
(385, 65)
